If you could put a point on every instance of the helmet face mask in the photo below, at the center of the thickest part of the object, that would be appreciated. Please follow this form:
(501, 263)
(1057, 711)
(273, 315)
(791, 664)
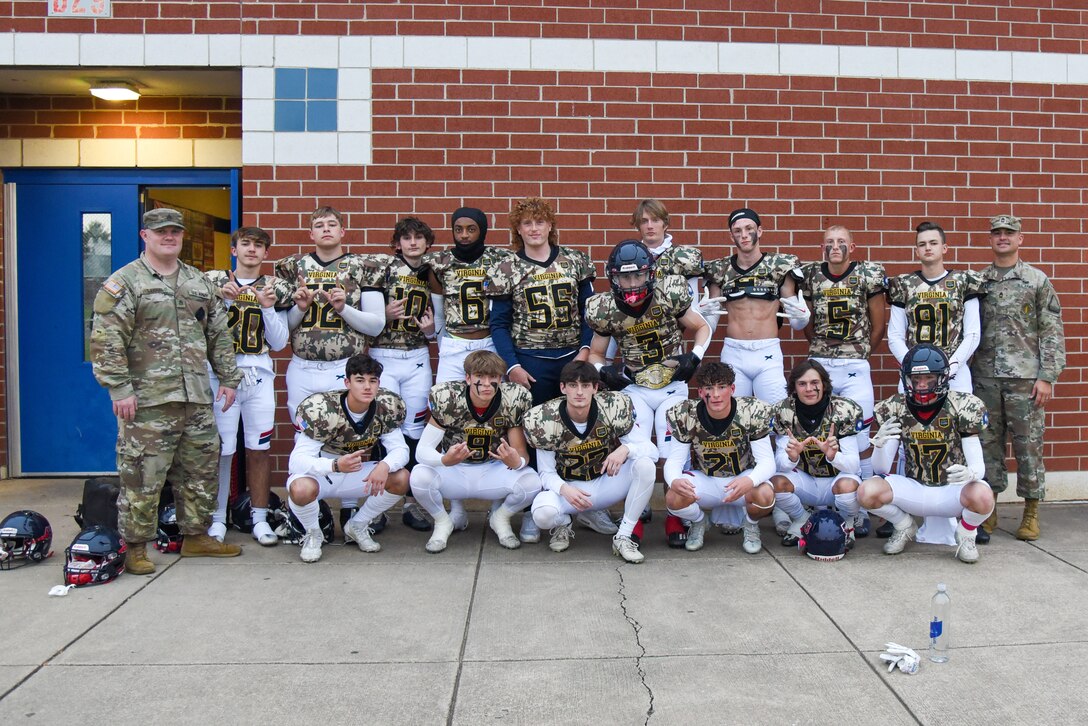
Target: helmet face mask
(169, 537)
(925, 375)
(96, 556)
(287, 527)
(630, 270)
(25, 537)
(240, 516)
(823, 537)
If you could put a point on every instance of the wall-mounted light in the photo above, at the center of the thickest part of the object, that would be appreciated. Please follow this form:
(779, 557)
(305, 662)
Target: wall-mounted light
(114, 91)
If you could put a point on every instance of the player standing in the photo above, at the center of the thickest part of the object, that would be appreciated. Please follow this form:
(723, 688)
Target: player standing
(651, 219)
(257, 327)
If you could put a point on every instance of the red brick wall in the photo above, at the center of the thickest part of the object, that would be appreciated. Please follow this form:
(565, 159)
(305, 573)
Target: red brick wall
(1045, 25)
(149, 117)
(877, 155)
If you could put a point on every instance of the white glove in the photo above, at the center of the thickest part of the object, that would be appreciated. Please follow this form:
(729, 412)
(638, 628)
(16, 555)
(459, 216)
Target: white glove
(889, 431)
(902, 656)
(960, 474)
(796, 311)
(712, 306)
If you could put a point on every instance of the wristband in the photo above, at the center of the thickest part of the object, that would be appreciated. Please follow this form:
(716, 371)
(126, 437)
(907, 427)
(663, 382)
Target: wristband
(336, 465)
(699, 351)
(598, 366)
(520, 466)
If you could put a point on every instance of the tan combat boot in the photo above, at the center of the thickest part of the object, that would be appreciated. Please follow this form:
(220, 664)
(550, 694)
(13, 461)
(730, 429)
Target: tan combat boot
(1029, 525)
(201, 545)
(136, 560)
(991, 522)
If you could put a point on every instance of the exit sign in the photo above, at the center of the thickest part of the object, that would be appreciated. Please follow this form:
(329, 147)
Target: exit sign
(81, 8)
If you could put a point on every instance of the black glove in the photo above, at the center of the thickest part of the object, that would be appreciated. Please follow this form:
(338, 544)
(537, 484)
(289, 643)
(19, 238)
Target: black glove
(686, 365)
(614, 377)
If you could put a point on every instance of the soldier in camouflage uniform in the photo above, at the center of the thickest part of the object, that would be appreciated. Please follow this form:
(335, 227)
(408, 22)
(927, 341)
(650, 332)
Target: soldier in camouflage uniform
(538, 296)
(474, 448)
(816, 450)
(942, 453)
(936, 306)
(646, 315)
(343, 434)
(731, 460)
(157, 323)
(590, 455)
(338, 303)
(257, 327)
(1021, 355)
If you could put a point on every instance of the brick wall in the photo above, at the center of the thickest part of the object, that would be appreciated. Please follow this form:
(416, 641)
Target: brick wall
(877, 155)
(1045, 25)
(149, 117)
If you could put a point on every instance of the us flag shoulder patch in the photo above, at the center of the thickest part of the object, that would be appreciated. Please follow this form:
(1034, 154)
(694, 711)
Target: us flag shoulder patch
(113, 287)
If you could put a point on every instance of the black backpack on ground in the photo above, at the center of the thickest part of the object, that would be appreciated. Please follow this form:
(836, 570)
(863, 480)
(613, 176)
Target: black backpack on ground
(99, 505)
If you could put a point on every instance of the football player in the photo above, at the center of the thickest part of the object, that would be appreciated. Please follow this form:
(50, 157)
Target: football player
(402, 347)
(651, 219)
(257, 327)
(340, 434)
(338, 303)
(731, 460)
(944, 465)
(590, 455)
(816, 450)
(647, 315)
(474, 448)
(936, 306)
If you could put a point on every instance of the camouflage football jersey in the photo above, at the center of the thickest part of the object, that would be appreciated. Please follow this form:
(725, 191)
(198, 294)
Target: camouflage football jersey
(843, 413)
(932, 447)
(403, 282)
(323, 335)
(840, 308)
(453, 411)
(244, 317)
(684, 262)
(721, 447)
(324, 418)
(544, 297)
(464, 287)
(578, 456)
(761, 281)
(935, 309)
(652, 336)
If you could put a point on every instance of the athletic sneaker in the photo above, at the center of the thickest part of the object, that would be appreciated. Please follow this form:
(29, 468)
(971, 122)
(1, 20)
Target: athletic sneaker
(443, 528)
(624, 548)
(598, 520)
(898, 541)
(752, 543)
(458, 515)
(966, 551)
(781, 521)
(530, 533)
(499, 521)
(360, 533)
(413, 515)
(696, 533)
(311, 545)
(793, 534)
(561, 537)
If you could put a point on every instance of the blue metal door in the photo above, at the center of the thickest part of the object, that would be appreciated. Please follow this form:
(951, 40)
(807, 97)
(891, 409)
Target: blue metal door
(73, 228)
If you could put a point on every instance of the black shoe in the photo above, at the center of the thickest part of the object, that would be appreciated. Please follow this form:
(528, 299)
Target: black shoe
(884, 531)
(377, 526)
(346, 513)
(410, 517)
(676, 531)
(982, 536)
(646, 516)
(863, 529)
(790, 540)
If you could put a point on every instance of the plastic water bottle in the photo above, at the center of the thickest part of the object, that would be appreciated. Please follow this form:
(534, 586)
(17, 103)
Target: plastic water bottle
(938, 625)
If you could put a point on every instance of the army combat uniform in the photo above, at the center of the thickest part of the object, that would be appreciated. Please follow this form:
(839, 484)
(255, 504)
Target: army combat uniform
(153, 337)
(1022, 341)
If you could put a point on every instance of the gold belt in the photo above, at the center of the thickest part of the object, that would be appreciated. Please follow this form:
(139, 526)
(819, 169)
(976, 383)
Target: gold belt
(654, 376)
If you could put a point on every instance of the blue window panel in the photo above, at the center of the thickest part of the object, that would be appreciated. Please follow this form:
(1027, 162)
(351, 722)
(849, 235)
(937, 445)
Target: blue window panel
(290, 115)
(321, 116)
(321, 83)
(290, 83)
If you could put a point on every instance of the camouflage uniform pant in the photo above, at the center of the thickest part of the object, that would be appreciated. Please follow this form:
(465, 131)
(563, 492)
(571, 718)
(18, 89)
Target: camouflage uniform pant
(175, 440)
(1013, 413)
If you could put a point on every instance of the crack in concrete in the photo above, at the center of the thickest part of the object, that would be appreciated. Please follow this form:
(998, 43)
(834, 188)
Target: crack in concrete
(637, 628)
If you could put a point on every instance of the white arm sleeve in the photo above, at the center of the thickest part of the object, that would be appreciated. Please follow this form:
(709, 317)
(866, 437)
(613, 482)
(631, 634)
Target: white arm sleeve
(972, 452)
(306, 458)
(427, 448)
(275, 327)
(294, 317)
(897, 333)
(439, 305)
(545, 466)
(764, 456)
(848, 460)
(370, 318)
(638, 445)
(884, 457)
(678, 457)
(396, 450)
(972, 333)
(781, 458)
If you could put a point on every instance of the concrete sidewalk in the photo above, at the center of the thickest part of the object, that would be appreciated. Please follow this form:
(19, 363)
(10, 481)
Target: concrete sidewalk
(480, 634)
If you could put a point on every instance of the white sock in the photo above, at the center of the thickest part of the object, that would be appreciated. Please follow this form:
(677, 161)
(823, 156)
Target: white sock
(847, 504)
(309, 515)
(691, 512)
(220, 514)
(748, 519)
(258, 514)
(374, 506)
(893, 514)
(349, 503)
(974, 518)
(790, 503)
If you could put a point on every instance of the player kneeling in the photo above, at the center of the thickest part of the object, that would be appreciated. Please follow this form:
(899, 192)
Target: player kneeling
(590, 454)
(728, 440)
(817, 450)
(474, 448)
(939, 429)
(339, 432)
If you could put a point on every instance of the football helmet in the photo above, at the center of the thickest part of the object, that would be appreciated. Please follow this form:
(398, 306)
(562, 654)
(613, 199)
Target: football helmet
(630, 256)
(925, 359)
(25, 537)
(287, 527)
(823, 536)
(96, 555)
(241, 518)
(169, 537)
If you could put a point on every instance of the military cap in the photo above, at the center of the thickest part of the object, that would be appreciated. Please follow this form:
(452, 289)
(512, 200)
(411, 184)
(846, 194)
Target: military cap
(163, 217)
(1005, 221)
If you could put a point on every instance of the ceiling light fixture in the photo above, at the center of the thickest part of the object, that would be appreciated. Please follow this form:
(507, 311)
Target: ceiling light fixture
(115, 91)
